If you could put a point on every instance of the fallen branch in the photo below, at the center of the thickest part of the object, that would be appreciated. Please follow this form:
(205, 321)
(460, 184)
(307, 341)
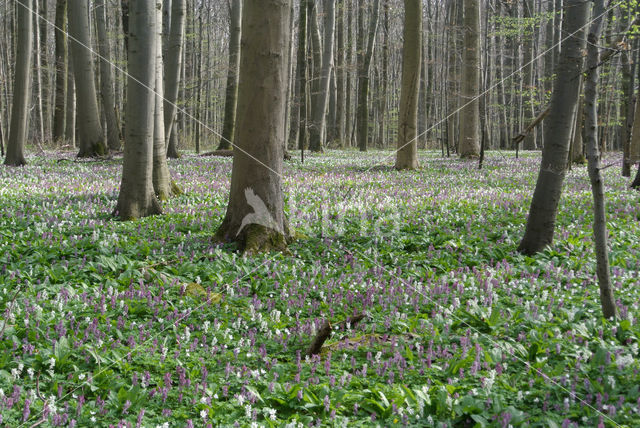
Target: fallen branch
(522, 135)
(325, 332)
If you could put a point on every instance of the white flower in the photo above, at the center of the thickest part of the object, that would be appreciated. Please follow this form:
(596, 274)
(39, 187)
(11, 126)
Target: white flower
(203, 413)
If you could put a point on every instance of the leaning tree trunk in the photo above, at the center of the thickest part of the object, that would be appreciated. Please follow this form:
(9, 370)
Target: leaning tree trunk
(255, 214)
(22, 79)
(593, 157)
(546, 197)
(61, 72)
(137, 198)
(88, 118)
(231, 97)
(317, 130)
(470, 113)
(162, 185)
(173, 65)
(362, 113)
(106, 78)
(407, 152)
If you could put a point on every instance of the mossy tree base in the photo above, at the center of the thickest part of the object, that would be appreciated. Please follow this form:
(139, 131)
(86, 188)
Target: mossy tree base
(94, 150)
(253, 239)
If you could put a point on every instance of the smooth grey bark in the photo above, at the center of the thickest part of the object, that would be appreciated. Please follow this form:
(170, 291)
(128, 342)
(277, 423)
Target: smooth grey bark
(470, 113)
(90, 135)
(255, 214)
(593, 156)
(22, 80)
(341, 75)
(634, 145)
(137, 198)
(70, 108)
(172, 76)
(61, 55)
(317, 128)
(636, 181)
(231, 96)
(407, 151)
(161, 177)
(364, 66)
(546, 197)
(302, 78)
(106, 78)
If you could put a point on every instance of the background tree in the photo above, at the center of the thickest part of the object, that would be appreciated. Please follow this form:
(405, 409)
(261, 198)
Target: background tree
(470, 114)
(91, 138)
(407, 153)
(231, 96)
(364, 67)
(22, 79)
(546, 197)
(173, 64)
(255, 214)
(137, 198)
(61, 54)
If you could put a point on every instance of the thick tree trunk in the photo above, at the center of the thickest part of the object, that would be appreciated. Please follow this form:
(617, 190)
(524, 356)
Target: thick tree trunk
(22, 79)
(230, 102)
(61, 72)
(407, 152)
(88, 118)
(255, 214)
(593, 156)
(161, 178)
(546, 197)
(317, 130)
(137, 198)
(364, 66)
(172, 74)
(106, 78)
(470, 114)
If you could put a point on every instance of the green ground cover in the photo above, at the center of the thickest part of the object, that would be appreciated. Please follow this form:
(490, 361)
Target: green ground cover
(149, 323)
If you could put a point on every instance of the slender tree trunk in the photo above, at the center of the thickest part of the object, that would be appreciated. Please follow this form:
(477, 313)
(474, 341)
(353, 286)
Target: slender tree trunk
(407, 153)
(470, 114)
(22, 79)
(44, 65)
(173, 65)
(364, 67)
(627, 127)
(341, 74)
(106, 78)
(546, 197)
(61, 72)
(385, 75)
(317, 131)
(70, 107)
(39, 90)
(255, 214)
(137, 198)
(235, 20)
(88, 118)
(302, 81)
(593, 155)
(161, 178)
(636, 181)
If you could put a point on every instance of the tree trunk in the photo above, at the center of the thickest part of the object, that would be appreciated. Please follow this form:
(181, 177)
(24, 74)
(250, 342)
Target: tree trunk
(22, 79)
(230, 102)
(302, 81)
(634, 145)
(407, 153)
(161, 178)
(44, 65)
(61, 72)
(364, 66)
(470, 113)
(70, 108)
(137, 198)
(172, 74)
(255, 214)
(106, 78)
(546, 197)
(593, 156)
(88, 118)
(341, 75)
(636, 181)
(317, 130)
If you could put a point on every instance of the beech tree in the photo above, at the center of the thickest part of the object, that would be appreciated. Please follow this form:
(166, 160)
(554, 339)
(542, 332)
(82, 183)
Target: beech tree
(61, 54)
(255, 213)
(137, 198)
(22, 79)
(90, 135)
(231, 97)
(407, 153)
(470, 114)
(546, 197)
(173, 64)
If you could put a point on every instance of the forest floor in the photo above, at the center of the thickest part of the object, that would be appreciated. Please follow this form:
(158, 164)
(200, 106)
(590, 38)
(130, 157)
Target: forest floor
(149, 323)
